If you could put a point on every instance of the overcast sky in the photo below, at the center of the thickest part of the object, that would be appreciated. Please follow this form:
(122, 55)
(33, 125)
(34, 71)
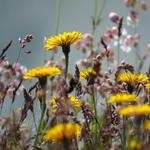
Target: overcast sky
(38, 17)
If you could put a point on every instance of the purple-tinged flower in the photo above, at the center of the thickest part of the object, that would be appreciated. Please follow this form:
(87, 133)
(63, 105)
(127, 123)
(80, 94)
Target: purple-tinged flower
(132, 18)
(26, 39)
(114, 17)
(143, 6)
(51, 63)
(130, 3)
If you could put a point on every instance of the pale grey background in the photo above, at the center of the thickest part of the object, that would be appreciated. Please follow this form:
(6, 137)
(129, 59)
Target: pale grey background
(18, 17)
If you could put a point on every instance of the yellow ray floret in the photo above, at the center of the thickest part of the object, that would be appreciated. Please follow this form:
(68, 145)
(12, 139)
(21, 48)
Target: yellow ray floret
(41, 72)
(122, 98)
(87, 72)
(132, 78)
(62, 131)
(64, 39)
(135, 110)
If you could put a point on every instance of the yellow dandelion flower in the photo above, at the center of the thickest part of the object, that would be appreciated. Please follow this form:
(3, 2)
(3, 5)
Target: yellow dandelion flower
(147, 125)
(123, 97)
(147, 86)
(132, 78)
(64, 39)
(75, 102)
(72, 130)
(87, 72)
(62, 131)
(53, 104)
(55, 133)
(41, 72)
(135, 110)
(134, 144)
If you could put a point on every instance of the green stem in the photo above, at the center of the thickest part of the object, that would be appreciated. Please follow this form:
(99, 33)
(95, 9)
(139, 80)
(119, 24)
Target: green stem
(95, 111)
(19, 54)
(66, 50)
(118, 55)
(41, 122)
(33, 115)
(67, 62)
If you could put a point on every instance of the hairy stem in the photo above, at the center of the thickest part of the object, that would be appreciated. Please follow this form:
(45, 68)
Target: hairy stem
(41, 122)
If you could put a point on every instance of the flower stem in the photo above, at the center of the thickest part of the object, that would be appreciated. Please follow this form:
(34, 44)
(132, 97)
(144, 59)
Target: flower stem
(118, 54)
(19, 54)
(95, 111)
(41, 122)
(66, 50)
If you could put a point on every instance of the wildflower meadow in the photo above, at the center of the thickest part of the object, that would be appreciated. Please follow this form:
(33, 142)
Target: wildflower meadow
(102, 103)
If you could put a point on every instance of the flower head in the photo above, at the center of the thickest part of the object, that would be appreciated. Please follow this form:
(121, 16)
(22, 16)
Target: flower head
(135, 110)
(64, 39)
(41, 72)
(87, 72)
(73, 101)
(132, 78)
(53, 104)
(122, 97)
(63, 131)
(114, 17)
(147, 86)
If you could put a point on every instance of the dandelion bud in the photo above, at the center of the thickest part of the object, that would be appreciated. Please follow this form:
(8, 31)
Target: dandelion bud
(39, 93)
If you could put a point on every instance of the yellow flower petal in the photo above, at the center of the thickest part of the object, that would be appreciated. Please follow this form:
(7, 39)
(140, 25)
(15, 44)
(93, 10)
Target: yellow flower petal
(64, 39)
(75, 103)
(72, 130)
(86, 73)
(55, 133)
(62, 131)
(40, 72)
(132, 78)
(123, 97)
(135, 110)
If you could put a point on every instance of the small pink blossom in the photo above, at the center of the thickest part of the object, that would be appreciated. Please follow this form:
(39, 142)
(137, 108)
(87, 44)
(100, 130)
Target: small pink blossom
(114, 17)
(143, 6)
(130, 3)
(50, 63)
(132, 18)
